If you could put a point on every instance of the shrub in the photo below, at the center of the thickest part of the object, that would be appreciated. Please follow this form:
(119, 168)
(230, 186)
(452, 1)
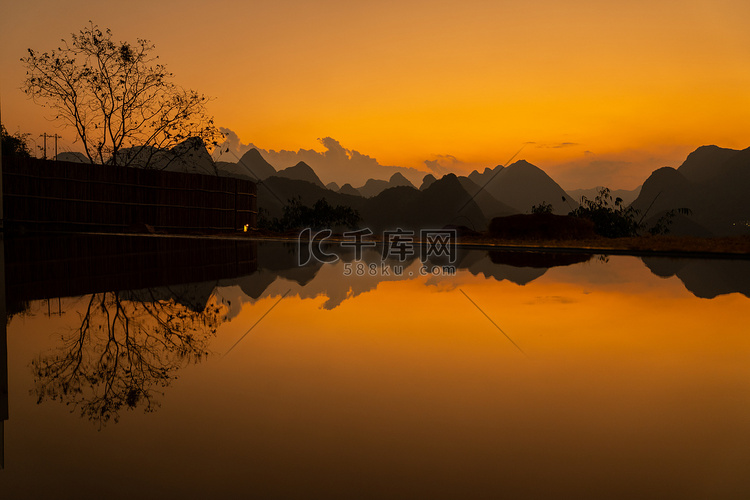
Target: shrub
(322, 215)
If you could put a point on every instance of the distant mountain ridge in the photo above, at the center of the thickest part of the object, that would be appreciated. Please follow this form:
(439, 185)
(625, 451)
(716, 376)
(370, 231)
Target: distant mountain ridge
(523, 185)
(628, 196)
(374, 187)
(301, 172)
(713, 183)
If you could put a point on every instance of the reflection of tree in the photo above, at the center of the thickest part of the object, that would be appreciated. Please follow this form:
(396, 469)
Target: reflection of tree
(122, 353)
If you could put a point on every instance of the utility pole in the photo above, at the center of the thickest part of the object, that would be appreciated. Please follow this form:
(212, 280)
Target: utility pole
(3, 332)
(45, 135)
(1, 195)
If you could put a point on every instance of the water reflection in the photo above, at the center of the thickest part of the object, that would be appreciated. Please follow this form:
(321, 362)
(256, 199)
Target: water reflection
(122, 353)
(128, 345)
(392, 385)
(705, 278)
(341, 280)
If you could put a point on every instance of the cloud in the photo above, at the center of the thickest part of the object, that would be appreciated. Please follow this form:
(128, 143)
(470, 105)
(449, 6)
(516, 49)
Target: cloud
(232, 142)
(554, 145)
(335, 163)
(442, 164)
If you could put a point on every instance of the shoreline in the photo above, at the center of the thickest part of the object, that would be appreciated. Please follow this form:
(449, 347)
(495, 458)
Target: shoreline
(727, 247)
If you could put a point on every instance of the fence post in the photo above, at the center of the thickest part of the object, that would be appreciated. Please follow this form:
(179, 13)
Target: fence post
(3, 356)
(1, 186)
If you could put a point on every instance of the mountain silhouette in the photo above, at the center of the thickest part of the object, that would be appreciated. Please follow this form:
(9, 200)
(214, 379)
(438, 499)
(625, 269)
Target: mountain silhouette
(275, 192)
(235, 171)
(628, 196)
(484, 177)
(333, 186)
(373, 187)
(349, 189)
(301, 172)
(253, 165)
(190, 156)
(427, 181)
(72, 157)
(491, 207)
(713, 183)
(705, 163)
(523, 185)
(399, 180)
(445, 202)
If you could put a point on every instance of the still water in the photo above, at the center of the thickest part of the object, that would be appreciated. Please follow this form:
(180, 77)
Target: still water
(518, 376)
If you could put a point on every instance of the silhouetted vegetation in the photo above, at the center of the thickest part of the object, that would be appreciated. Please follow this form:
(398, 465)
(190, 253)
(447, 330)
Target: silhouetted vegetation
(14, 145)
(116, 96)
(613, 220)
(662, 224)
(542, 208)
(322, 215)
(610, 217)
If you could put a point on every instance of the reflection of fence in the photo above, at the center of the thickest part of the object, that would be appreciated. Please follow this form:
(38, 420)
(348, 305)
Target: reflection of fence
(66, 265)
(53, 195)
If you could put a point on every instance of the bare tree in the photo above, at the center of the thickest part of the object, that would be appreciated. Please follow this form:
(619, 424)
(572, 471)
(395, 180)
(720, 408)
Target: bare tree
(123, 104)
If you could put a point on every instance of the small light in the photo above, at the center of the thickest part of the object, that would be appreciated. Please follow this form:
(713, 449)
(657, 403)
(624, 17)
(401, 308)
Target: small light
(246, 226)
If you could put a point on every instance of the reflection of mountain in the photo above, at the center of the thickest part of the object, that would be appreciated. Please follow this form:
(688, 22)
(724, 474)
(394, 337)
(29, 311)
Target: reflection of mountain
(477, 262)
(713, 182)
(282, 259)
(192, 296)
(705, 278)
(278, 273)
(543, 260)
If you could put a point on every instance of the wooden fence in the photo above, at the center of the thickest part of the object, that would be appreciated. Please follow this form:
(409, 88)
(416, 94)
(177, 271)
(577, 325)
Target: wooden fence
(48, 195)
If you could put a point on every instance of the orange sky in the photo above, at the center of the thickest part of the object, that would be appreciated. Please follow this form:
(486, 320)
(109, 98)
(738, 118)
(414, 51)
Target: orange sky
(603, 94)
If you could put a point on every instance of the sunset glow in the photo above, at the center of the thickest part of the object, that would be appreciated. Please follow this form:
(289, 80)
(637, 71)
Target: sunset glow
(598, 95)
